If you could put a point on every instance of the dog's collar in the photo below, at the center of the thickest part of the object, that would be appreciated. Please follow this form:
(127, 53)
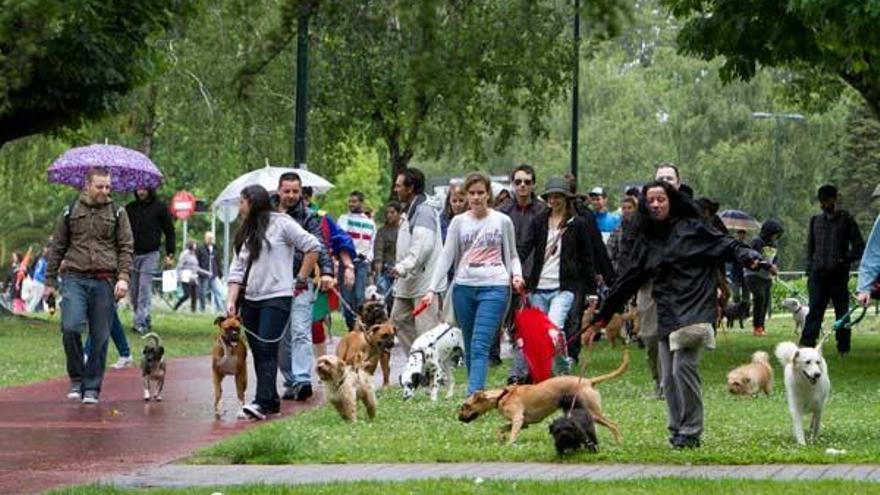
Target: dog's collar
(504, 391)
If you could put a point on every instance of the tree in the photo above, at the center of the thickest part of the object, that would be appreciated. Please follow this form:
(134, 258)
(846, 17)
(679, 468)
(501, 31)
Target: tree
(428, 76)
(857, 176)
(817, 39)
(64, 60)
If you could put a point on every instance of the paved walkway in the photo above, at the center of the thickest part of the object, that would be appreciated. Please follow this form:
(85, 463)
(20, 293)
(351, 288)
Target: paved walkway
(170, 476)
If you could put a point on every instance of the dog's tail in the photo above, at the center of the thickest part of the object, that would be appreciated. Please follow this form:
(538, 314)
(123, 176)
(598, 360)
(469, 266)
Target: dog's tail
(614, 374)
(571, 401)
(761, 357)
(154, 336)
(785, 352)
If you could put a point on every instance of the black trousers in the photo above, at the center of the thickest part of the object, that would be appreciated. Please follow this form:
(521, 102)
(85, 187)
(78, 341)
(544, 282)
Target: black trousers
(760, 290)
(827, 286)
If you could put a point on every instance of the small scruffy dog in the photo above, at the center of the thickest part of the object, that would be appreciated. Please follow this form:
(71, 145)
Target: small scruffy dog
(807, 385)
(749, 379)
(153, 366)
(798, 311)
(344, 385)
(575, 429)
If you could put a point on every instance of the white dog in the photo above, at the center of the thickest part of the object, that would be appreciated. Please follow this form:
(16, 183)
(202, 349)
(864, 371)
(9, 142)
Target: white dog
(799, 312)
(807, 385)
(431, 361)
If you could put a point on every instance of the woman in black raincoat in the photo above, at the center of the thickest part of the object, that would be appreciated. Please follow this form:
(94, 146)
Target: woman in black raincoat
(678, 250)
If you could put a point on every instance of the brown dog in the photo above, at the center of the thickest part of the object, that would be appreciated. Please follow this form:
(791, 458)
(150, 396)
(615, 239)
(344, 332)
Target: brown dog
(375, 343)
(749, 379)
(346, 384)
(229, 357)
(612, 329)
(523, 405)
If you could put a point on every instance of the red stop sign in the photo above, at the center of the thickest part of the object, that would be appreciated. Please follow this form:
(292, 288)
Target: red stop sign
(183, 205)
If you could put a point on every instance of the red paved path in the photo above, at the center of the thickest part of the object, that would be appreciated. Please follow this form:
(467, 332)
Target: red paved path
(47, 441)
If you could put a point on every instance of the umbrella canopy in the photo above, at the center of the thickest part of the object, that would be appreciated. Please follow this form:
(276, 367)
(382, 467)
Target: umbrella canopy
(268, 177)
(739, 220)
(129, 169)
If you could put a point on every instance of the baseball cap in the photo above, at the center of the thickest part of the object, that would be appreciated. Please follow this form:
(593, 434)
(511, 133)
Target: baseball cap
(597, 191)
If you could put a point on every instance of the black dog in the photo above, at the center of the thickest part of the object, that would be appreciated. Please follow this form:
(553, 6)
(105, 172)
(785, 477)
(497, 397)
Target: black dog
(153, 366)
(736, 311)
(574, 430)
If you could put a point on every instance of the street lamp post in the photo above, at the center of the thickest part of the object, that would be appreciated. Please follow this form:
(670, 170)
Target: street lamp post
(574, 90)
(777, 133)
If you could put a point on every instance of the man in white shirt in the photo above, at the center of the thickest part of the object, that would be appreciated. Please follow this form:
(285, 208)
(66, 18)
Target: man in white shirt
(362, 231)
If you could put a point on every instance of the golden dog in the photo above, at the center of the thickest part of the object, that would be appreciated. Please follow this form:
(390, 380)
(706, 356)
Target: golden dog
(346, 384)
(749, 379)
(229, 357)
(523, 405)
(375, 343)
(612, 328)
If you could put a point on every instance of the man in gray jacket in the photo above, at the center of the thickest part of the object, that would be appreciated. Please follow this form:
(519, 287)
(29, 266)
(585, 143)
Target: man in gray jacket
(418, 249)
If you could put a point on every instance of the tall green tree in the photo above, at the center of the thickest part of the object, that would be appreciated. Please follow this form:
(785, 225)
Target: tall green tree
(427, 76)
(64, 60)
(818, 39)
(859, 173)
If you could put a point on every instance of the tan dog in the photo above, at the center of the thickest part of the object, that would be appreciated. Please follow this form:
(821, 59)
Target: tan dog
(346, 384)
(749, 379)
(375, 343)
(612, 329)
(523, 405)
(229, 357)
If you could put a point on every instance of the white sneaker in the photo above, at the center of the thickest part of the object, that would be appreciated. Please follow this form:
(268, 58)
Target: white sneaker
(123, 362)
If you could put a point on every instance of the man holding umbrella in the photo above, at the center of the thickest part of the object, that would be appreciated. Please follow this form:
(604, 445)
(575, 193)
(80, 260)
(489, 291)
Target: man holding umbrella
(93, 239)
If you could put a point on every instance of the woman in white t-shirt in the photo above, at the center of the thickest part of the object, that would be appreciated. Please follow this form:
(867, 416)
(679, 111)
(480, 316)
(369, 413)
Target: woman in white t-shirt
(481, 246)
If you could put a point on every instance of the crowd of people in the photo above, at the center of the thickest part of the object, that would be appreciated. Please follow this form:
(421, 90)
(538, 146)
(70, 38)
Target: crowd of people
(473, 262)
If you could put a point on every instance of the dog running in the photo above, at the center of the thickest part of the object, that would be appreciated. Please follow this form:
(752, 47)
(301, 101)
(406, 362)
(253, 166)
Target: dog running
(345, 384)
(153, 367)
(432, 360)
(807, 386)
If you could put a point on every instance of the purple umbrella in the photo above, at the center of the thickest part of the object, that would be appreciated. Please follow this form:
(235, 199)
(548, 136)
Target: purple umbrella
(739, 220)
(129, 169)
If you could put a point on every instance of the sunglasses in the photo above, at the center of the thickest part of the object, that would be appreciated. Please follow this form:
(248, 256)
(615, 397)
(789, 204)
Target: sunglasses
(520, 182)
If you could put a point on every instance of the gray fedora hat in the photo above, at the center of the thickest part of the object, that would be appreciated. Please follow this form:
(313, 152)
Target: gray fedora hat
(557, 185)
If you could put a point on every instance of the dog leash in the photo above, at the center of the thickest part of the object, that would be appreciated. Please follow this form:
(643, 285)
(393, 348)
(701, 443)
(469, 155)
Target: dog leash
(846, 321)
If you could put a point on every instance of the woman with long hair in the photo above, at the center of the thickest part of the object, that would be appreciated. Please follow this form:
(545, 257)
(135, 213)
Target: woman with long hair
(481, 246)
(678, 250)
(265, 244)
(456, 204)
(561, 253)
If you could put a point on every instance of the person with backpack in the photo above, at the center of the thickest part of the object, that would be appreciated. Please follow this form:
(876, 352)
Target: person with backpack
(94, 241)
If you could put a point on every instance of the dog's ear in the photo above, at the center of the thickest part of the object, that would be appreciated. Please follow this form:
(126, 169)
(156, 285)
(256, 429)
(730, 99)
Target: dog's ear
(373, 329)
(747, 379)
(160, 351)
(219, 320)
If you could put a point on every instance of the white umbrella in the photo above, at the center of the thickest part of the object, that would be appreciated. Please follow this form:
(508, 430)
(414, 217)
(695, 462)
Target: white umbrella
(268, 177)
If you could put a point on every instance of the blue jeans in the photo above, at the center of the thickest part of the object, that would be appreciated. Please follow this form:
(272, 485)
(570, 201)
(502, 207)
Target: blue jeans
(268, 322)
(354, 296)
(295, 349)
(86, 301)
(555, 303)
(479, 311)
(210, 288)
(117, 334)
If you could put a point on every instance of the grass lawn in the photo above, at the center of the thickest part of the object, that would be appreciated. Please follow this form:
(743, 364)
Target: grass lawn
(738, 430)
(31, 347)
(468, 487)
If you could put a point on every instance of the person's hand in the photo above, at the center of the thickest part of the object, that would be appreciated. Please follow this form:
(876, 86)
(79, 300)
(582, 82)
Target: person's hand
(230, 309)
(326, 283)
(864, 298)
(518, 284)
(169, 260)
(427, 299)
(120, 290)
(348, 277)
(48, 291)
(774, 270)
(392, 272)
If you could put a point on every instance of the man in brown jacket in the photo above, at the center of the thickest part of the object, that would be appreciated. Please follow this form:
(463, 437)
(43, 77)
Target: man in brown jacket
(93, 241)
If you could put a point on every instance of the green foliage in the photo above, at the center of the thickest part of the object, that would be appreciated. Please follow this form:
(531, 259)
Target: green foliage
(831, 37)
(66, 60)
(859, 173)
(739, 430)
(362, 172)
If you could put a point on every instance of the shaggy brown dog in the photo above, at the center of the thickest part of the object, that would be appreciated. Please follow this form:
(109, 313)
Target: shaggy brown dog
(523, 405)
(344, 385)
(229, 357)
(375, 343)
(749, 379)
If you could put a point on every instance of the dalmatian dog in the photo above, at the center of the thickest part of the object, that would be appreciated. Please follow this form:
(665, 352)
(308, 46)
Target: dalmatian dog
(431, 361)
(798, 311)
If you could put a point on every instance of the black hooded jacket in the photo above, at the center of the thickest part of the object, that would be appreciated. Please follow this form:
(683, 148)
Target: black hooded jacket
(682, 262)
(576, 269)
(149, 218)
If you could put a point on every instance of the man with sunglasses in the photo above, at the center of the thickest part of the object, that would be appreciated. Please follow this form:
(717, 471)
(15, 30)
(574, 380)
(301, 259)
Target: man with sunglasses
(522, 211)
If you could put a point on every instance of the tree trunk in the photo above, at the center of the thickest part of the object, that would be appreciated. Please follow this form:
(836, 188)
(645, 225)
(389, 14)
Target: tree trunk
(148, 130)
(398, 159)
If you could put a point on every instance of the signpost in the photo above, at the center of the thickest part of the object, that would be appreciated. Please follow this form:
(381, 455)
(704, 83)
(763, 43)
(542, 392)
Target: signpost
(183, 205)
